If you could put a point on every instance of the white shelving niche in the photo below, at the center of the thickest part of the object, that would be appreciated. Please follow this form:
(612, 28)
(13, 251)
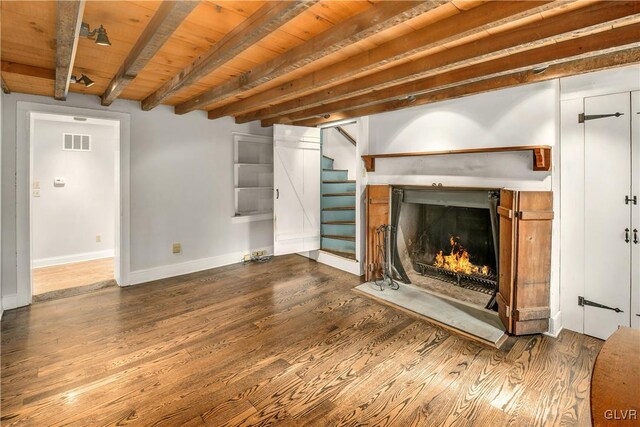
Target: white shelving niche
(253, 177)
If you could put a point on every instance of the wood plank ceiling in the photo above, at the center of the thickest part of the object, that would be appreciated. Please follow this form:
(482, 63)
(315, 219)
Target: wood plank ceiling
(308, 62)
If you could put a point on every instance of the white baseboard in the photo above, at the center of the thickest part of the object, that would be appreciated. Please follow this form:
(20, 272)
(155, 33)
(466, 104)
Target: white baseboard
(9, 301)
(67, 259)
(555, 325)
(166, 271)
(335, 261)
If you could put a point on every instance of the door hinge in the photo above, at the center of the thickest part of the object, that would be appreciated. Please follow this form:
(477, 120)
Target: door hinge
(582, 301)
(628, 200)
(584, 117)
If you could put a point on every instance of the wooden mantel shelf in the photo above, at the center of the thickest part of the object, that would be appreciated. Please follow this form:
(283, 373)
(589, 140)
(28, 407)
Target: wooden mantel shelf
(541, 155)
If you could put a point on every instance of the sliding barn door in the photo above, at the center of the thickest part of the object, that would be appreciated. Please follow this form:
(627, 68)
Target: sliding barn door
(296, 179)
(607, 216)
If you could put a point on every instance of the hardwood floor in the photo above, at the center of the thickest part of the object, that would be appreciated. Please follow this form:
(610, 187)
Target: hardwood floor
(283, 343)
(65, 276)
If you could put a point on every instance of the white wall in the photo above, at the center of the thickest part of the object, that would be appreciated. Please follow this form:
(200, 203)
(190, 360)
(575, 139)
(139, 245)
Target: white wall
(525, 115)
(342, 151)
(573, 90)
(66, 219)
(181, 186)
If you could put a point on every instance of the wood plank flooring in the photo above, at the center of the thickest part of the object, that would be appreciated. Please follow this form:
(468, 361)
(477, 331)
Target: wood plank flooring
(286, 343)
(65, 276)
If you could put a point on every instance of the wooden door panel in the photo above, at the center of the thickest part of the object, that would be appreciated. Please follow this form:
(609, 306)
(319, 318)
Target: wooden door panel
(507, 254)
(296, 176)
(533, 262)
(607, 182)
(635, 209)
(377, 214)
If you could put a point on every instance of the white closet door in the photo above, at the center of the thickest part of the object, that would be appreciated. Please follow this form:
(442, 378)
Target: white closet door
(296, 176)
(635, 209)
(607, 217)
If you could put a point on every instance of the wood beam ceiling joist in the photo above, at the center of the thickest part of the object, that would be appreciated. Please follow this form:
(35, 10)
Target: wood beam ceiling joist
(458, 26)
(68, 21)
(379, 17)
(267, 19)
(164, 23)
(519, 43)
(28, 70)
(562, 69)
(583, 47)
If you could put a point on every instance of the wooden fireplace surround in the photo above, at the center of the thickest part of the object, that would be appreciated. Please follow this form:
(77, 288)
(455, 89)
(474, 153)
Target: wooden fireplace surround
(524, 263)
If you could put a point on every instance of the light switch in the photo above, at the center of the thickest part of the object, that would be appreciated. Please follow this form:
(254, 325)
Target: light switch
(177, 248)
(35, 193)
(98, 238)
(35, 185)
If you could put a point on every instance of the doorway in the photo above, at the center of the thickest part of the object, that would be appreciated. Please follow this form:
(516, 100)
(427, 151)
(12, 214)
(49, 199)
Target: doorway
(74, 195)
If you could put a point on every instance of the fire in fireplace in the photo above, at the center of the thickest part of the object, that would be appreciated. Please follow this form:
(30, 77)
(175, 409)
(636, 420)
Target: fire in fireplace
(446, 241)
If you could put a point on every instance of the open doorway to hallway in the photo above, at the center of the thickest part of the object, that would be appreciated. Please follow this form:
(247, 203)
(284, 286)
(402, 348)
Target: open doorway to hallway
(73, 204)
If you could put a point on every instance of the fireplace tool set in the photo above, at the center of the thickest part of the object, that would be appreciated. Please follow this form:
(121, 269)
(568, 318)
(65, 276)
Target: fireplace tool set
(383, 236)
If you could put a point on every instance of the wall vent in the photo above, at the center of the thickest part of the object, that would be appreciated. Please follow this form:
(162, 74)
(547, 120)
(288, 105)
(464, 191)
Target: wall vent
(76, 142)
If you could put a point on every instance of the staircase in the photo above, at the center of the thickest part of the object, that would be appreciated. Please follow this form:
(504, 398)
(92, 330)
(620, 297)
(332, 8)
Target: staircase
(338, 211)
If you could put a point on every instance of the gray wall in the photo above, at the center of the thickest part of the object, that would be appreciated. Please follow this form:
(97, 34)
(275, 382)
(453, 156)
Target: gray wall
(66, 219)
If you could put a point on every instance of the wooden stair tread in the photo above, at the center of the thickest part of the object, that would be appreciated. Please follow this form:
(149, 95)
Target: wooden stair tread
(340, 208)
(335, 170)
(337, 237)
(353, 193)
(344, 181)
(348, 255)
(339, 223)
(327, 157)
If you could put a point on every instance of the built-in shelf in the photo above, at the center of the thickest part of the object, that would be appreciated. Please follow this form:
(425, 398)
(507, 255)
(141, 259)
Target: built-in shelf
(253, 177)
(541, 155)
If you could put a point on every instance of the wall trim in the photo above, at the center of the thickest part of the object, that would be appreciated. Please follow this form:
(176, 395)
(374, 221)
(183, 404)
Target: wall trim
(9, 302)
(67, 259)
(166, 271)
(555, 325)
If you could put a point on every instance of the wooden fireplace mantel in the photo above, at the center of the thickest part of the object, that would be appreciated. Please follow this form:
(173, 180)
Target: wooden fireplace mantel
(541, 155)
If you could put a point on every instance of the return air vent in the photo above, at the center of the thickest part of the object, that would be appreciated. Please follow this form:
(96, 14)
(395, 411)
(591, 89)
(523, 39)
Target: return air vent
(76, 142)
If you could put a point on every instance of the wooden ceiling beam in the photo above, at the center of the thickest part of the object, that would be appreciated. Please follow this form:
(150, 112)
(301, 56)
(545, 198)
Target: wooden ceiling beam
(164, 23)
(615, 39)
(264, 21)
(594, 18)
(28, 70)
(461, 25)
(563, 69)
(68, 22)
(379, 17)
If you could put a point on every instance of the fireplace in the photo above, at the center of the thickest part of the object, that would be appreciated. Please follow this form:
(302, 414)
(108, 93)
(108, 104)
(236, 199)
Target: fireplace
(446, 241)
(452, 246)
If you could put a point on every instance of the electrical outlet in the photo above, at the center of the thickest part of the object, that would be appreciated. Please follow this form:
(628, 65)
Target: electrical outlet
(246, 258)
(258, 253)
(98, 238)
(177, 248)
(35, 193)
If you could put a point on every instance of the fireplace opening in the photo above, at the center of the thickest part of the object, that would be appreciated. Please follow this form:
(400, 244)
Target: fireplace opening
(446, 241)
